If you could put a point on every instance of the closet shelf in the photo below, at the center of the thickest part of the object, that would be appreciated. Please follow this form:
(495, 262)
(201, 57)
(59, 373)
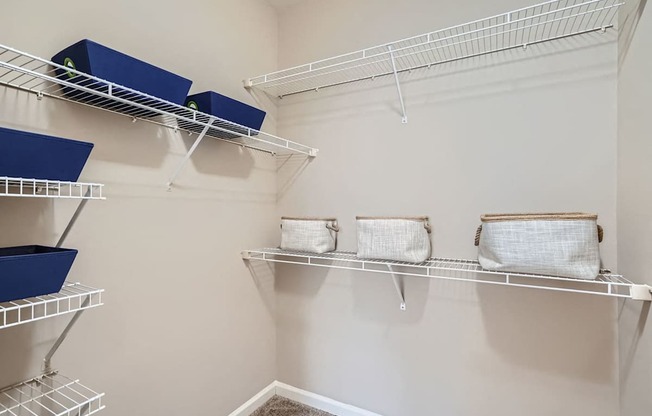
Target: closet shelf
(607, 284)
(43, 188)
(26, 72)
(73, 297)
(520, 28)
(50, 394)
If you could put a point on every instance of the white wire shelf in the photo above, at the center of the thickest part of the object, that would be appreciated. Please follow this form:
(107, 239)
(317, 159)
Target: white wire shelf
(26, 72)
(551, 20)
(606, 284)
(43, 188)
(50, 394)
(73, 297)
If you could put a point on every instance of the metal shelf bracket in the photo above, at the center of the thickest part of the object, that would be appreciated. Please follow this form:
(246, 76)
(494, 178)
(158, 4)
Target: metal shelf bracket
(74, 218)
(404, 119)
(190, 152)
(398, 284)
(47, 361)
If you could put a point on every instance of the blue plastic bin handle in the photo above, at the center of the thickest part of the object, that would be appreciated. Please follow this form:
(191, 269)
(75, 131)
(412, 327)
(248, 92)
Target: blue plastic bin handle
(69, 63)
(193, 105)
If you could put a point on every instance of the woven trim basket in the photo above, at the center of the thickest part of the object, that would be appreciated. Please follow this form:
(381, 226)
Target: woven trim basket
(309, 234)
(394, 238)
(558, 244)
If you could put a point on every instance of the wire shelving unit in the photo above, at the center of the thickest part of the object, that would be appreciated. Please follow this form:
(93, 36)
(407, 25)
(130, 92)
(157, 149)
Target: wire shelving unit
(44, 78)
(50, 394)
(606, 284)
(44, 188)
(73, 297)
(547, 21)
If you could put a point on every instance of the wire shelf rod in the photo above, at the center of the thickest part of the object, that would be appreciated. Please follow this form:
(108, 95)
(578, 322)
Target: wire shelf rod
(551, 20)
(607, 284)
(73, 297)
(30, 73)
(50, 394)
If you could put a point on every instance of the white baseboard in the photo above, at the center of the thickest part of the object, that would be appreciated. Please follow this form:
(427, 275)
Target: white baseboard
(255, 402)
(301, 396)
(320, 402)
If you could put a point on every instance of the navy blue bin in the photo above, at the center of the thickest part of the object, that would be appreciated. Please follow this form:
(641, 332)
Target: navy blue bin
(29, 271)
(225, 108)
(116, 67)
(36, 156)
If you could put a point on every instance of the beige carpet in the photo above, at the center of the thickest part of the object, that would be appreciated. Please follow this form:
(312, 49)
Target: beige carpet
(280, 406)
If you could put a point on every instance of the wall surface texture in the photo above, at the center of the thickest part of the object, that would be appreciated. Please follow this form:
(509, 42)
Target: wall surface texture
(635, 204)
(185, 329)
(523, 131)
(188, 329)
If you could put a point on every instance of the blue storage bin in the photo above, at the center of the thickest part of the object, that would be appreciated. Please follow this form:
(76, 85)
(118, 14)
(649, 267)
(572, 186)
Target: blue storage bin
(225, 108)
(36, 156)
(29, 271)
(110, 65)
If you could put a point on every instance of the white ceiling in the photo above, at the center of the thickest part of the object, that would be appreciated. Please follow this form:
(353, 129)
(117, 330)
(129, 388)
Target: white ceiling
(283, 3)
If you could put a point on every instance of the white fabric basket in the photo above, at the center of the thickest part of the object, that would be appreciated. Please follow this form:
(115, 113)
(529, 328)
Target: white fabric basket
(393, 238)
(558, 244)
(313, 235)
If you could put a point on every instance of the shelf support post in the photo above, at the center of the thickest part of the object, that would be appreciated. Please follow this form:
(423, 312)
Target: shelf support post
(404, 119)
(398, 285)
(190, 152)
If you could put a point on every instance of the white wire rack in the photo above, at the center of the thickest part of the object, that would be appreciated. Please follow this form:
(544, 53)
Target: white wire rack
(30, 73)
(543, 22)
(51, 394)
(73, 297)
(43, 188)
(606, 284)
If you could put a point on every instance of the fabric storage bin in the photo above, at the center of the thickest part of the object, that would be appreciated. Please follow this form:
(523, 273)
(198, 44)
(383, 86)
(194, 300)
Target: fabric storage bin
(30, 271)
(36, 156)
(558, 244)
(313, 235)
(394, 238)
(226, 108)
(116, 67)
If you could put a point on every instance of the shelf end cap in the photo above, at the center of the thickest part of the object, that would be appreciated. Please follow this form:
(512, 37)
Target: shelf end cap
(642, 292)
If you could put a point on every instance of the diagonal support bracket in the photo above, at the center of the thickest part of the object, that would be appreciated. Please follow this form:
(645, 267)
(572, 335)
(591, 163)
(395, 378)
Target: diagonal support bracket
(186, 158)
(404, 119)
(398, 284)
(74, 218)
(47, 361)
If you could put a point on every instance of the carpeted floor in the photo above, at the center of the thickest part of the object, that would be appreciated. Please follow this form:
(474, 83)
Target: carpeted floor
(280, 406)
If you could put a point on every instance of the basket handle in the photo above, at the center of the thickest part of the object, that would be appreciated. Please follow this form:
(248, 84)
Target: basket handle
(333, 227)
(427, 226)
(600, 233)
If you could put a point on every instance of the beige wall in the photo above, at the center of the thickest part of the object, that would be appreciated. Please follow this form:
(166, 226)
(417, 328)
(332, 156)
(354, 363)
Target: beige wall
(524, 131)
(635, 204)
(185, 327)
